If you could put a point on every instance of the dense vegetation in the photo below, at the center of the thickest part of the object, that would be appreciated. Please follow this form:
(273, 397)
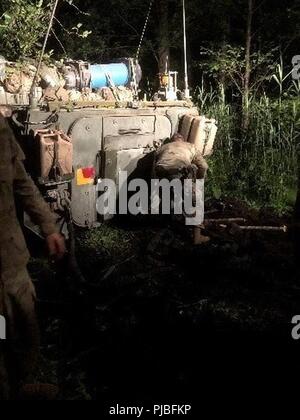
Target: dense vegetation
(240, 55)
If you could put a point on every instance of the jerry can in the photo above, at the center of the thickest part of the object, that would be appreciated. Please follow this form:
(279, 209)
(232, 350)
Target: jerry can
(55, 150)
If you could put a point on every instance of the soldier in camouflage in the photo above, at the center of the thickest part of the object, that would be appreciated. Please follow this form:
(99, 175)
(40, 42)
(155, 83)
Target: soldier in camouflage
(179, 159)
(17, 294)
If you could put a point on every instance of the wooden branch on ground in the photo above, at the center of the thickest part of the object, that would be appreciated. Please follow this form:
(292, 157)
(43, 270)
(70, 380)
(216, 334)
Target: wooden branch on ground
(264, 228)
(225, 220)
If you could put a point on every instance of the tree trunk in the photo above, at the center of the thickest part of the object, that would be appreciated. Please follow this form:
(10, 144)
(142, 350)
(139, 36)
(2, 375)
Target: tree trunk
(226, 29)
(248, 66)
(164, 40)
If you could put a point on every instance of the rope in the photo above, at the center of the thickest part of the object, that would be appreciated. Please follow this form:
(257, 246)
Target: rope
(144, 30)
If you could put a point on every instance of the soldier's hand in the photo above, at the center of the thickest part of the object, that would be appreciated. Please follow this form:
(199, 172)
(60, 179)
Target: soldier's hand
(5, 111)
(56, 245)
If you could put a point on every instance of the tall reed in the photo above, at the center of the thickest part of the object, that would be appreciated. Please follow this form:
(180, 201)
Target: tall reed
(259, 166)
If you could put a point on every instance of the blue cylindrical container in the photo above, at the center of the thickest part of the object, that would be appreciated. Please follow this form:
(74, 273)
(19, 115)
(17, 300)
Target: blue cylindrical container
(118, 72)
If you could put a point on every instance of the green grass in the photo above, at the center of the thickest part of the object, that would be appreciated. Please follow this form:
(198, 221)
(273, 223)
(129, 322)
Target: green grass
(258, 165)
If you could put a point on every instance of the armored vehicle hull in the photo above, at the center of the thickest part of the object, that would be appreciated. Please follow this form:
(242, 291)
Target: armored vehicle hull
(97, 143)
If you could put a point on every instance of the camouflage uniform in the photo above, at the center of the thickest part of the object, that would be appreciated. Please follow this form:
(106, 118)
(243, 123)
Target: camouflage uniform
(17, 295)
(179, 159)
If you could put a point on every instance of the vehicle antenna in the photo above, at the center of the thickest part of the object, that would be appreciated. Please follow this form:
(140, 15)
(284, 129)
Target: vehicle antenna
(31, 95)
(186, 76)
(144, 30)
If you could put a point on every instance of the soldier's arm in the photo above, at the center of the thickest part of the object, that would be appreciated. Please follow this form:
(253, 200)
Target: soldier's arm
(29, 195)
(201, 164)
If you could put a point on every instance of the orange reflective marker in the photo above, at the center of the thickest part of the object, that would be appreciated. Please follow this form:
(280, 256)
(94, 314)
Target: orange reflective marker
(85, 176)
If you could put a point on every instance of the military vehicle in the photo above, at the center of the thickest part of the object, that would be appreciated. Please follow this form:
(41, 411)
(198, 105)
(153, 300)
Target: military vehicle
(85, 123)
(79, 123)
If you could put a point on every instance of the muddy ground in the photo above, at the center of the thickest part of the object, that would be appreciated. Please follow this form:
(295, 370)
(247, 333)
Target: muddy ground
(161, 319)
